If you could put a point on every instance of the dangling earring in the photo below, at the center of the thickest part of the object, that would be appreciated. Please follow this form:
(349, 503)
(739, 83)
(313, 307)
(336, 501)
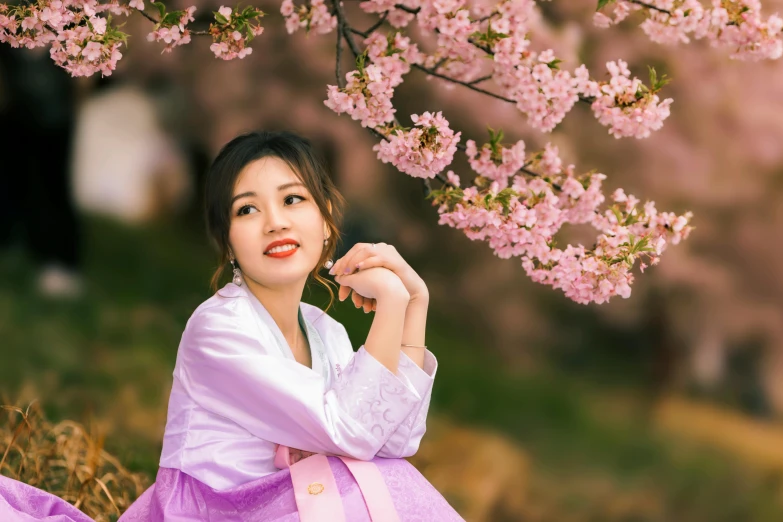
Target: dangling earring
(328, 263)
(237, 273)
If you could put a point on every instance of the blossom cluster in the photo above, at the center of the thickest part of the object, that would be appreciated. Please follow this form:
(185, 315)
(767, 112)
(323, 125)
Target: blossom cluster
(315, 17)
(423, 151)
(82, 40)
(232, 30)
(171, 28)
(522, 219)
(394, 54)
(456, 54)
(366, 96)
(627, 106)
(534, 81)
(494, 162)
(735, 25)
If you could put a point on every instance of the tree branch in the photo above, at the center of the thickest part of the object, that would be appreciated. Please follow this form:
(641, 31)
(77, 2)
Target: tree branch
(649, 6)
(378, 23)
(339, 49)
(156, 22)
(347, 30)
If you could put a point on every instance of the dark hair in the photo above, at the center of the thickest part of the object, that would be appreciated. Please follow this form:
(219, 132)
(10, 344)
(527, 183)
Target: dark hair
(308, 166)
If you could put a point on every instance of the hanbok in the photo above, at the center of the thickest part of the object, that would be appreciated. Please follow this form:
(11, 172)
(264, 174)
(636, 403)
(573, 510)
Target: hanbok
(239, 400)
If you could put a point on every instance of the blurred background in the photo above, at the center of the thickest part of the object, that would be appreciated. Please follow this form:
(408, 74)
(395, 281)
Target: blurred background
(667, 406)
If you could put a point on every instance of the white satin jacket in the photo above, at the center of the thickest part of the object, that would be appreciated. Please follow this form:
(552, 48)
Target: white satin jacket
(238, 391)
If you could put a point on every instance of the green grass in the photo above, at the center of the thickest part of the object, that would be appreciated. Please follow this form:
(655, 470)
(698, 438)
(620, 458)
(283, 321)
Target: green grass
(109, 357)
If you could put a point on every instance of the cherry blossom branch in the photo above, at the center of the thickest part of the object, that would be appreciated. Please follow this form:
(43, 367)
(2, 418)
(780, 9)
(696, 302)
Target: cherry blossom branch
(432, 72)
(339, 52)
(517, 219)
(734, 25)
(517, 201)
(650, 6)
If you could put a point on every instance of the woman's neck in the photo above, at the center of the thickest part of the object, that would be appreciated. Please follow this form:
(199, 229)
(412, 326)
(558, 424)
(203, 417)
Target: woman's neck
(283, 305)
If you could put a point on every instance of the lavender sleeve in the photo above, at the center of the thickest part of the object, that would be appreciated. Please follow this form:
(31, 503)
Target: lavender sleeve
(228, 371)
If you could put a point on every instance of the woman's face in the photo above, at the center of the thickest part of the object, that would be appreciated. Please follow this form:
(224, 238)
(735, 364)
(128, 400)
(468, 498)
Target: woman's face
(271, 204)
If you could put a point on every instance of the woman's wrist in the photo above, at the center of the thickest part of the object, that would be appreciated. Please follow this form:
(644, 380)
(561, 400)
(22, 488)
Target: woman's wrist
(420, 298)
(394, 296)
(415, 285)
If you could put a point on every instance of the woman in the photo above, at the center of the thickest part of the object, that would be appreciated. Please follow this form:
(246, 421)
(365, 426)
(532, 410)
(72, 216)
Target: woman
(272, 415)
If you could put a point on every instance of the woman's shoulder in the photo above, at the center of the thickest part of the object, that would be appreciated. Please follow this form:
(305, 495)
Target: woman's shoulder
(232, 304)
(223, 306)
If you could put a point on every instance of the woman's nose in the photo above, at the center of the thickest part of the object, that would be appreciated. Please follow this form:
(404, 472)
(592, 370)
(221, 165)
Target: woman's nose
(276, 220)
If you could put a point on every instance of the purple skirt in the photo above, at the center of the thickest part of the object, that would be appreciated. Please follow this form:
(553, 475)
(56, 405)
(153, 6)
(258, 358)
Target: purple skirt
(178, 497)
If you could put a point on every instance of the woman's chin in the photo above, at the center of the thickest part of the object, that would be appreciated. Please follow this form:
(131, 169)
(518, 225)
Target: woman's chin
(283, 275)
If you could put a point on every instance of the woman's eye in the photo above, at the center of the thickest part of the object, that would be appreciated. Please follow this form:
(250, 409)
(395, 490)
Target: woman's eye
(241, 211)
(287, 198)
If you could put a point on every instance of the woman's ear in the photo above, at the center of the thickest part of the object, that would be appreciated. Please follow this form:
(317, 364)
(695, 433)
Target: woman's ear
(326, 226)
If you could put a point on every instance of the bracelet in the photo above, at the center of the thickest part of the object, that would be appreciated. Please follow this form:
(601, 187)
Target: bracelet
(414, 346)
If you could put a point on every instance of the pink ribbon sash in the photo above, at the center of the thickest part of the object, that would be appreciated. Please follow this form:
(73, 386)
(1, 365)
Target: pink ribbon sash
(316, 492)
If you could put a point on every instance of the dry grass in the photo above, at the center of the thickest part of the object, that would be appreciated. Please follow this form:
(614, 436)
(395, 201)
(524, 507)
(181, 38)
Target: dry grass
(66, 460)
(756, 441)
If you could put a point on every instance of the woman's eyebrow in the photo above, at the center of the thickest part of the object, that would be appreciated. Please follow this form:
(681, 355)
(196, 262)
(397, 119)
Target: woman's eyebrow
(253, 194)
(242, 195)
(291, 184)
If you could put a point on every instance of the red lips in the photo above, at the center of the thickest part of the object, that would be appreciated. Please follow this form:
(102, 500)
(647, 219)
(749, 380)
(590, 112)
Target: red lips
(281, 242)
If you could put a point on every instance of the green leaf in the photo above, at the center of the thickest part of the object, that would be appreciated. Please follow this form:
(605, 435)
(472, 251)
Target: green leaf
(602, 4)
(161, 8)
(656, 83)
(553, 63)
(221, 19)
(617, 214)
(171, 18)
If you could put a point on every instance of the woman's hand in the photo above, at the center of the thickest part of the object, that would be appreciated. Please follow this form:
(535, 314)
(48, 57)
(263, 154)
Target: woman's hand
(371, 284)
(364, 256)
(296, 455)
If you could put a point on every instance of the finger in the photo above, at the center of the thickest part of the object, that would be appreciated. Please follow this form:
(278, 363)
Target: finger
(357, 257)
(339, 265)
(372, 261)
(347, 264)
(367, 305)
(343, 292)
(357, 299)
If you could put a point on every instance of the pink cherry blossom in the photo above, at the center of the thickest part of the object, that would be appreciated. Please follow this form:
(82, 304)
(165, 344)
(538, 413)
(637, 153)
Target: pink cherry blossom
(516, 201)
(372, 111)
(423, 151)
(228, 41)
(315, 17)
(736, 26)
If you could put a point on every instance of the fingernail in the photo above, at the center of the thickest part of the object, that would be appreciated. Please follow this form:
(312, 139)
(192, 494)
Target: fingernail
(347, 270)
(358, 266)
(331, 270)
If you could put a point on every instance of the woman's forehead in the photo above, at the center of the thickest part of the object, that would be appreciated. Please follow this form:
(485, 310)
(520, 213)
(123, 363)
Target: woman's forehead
(265, 173)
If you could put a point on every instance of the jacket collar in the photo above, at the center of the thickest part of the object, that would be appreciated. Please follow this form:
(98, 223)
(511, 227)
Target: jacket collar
(232, 290)
(310, 312)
